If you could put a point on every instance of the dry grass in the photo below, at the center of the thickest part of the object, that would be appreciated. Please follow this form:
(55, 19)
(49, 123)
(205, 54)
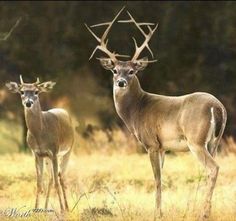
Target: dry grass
(109, 180)
(10, 136)
(120, 187)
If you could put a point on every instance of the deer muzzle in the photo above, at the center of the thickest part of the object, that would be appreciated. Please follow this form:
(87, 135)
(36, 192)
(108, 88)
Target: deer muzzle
(122, 83)
(29, 103)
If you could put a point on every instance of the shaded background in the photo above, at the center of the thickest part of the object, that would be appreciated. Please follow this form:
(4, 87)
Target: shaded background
(195, 45)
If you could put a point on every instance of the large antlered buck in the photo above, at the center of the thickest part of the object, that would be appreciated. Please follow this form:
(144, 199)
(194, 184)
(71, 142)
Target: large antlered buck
(193, 122)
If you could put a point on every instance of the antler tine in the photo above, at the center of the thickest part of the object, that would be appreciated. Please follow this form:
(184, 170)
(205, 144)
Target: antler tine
(141, 60)
(100, 24)
(137, 24)
(95, 36)
(151, 33)
(136, 47)
(101, 47)
(135, 44)
(149, 61)
(148, 36)
(103, 42)
(122, 55)
(37, 81)
(130, 21)
(21, 80)
(110, 24)
(145, 23)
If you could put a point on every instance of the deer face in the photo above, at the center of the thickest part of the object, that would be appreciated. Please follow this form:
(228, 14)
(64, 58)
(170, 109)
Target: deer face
(123, 71)
(29, 94)
(29, 91)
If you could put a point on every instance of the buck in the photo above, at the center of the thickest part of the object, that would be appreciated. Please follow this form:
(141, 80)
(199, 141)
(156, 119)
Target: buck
(50, 136)
(193, 122)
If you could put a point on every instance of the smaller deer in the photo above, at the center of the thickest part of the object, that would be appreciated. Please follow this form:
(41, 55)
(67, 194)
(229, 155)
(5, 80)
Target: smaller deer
(50, 135)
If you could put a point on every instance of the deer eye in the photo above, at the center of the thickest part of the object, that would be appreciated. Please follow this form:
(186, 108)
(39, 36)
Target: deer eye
(131, 72)
(115, 71)
(22, 92)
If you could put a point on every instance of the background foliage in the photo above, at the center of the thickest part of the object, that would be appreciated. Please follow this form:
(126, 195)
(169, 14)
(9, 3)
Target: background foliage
(195, 45)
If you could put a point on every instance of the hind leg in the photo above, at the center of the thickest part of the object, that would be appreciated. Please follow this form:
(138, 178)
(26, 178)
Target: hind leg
(56, 182)
(212, 169)
(63, 166)
(213, 146)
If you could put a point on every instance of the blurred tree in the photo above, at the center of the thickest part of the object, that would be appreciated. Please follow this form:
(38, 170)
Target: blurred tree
(195, 45)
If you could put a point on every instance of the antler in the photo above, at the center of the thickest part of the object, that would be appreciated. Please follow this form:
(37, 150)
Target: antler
(37, 81)
(103, 42)
(21, 80)
(139, 49)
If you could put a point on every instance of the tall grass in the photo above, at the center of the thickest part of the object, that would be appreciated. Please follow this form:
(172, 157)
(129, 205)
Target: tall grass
(108, 179)
(120, 187)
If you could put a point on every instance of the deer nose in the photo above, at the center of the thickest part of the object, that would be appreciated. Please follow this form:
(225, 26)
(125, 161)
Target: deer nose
(122, 83)
(28, 103)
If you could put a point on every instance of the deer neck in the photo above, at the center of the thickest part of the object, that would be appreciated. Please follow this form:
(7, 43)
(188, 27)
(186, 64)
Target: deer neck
(34, 118)
(128, 100)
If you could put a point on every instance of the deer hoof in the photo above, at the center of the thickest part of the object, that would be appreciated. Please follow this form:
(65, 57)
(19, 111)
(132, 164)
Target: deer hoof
(205, 216)
(158, 215)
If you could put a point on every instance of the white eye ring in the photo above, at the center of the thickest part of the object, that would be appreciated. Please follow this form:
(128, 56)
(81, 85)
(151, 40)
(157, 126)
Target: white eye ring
(131, 72)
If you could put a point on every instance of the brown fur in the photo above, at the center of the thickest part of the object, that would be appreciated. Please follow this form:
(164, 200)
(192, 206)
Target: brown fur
(50, 135)
(193, 122)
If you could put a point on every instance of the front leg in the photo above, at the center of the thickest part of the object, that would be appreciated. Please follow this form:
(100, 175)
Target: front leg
(56, 181)
(155, 158)
(39, 173)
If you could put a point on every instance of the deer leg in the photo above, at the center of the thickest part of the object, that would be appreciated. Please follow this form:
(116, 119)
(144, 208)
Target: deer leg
(56, 182)
(212, 168)
(39, 173)
(49, 167)
(155, 158)
(215, 146)
(63, 167)
(48, 192)
(162, 158)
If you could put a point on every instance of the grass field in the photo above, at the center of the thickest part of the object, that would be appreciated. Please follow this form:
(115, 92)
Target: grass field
(120, 187)
(109, 180)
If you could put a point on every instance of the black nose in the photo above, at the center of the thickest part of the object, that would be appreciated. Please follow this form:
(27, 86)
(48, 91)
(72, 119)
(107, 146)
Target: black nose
(122, 83)
(28, 104)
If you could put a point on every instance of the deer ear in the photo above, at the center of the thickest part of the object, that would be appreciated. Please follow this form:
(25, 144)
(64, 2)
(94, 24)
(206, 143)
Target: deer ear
(13, 87)
(46, 86)
(107, 63)
(141, 64)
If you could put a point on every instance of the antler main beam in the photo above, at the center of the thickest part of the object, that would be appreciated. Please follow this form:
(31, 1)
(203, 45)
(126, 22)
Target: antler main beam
(139, 49)
(103, 41)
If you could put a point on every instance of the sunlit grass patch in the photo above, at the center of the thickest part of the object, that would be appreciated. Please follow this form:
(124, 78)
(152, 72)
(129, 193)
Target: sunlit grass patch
(118, 186)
